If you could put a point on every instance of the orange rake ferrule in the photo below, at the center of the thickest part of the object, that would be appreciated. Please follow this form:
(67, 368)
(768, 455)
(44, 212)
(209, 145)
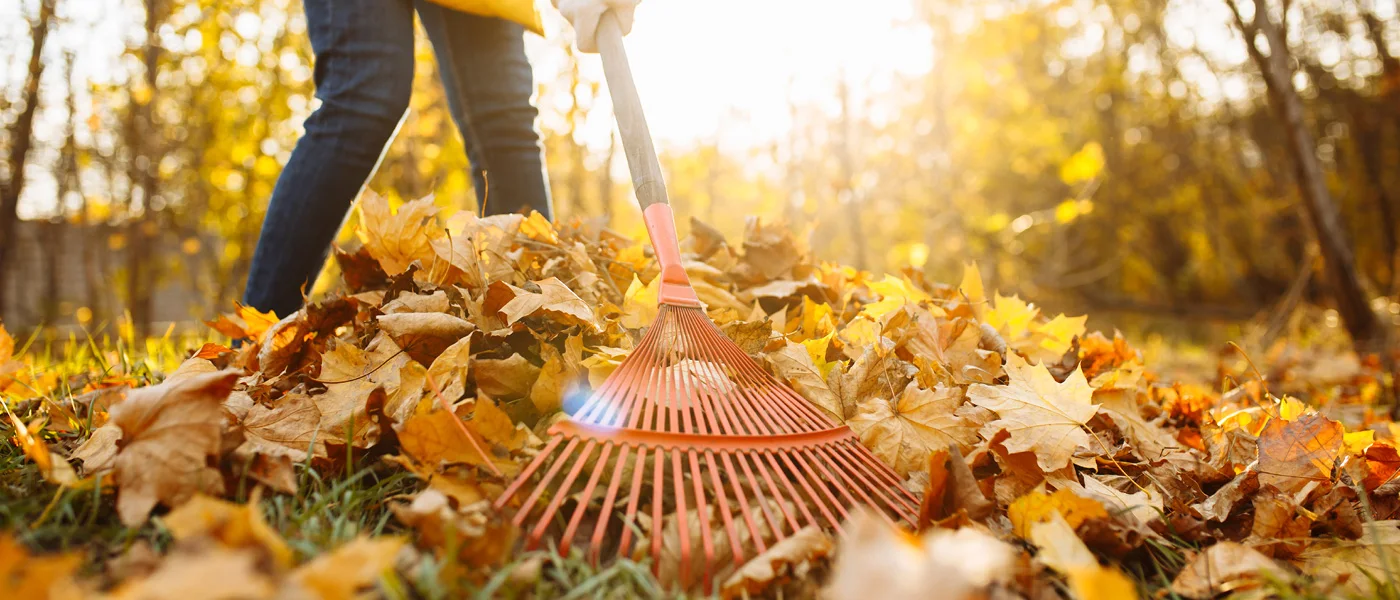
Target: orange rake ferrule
(675, 284)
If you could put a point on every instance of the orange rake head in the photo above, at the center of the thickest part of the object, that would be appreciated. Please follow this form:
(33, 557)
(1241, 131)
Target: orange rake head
(689, 446)
(690, 428)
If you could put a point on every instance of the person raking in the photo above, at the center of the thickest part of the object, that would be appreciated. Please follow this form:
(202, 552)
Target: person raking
(363, 72)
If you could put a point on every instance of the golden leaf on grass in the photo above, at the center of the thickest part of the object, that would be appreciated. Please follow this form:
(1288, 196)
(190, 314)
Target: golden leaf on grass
(1224, 568)
(99, 452)
(1042, 415)
(1292, 453)
(55, 470)
(398, 239)
(168, 432)
(1037, 507)
(780, 561)
(904, 432)
(23, 576)
(554, 300)
(423, 336)
(1364, 566)
(215, 574)
(344, 572)
(234, 526)
(793, 364)
(877, 560)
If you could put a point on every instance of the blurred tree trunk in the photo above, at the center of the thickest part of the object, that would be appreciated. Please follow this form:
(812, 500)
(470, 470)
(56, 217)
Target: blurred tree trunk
(142, 229)
(1337, 254)
(846, 192)
(20, 136)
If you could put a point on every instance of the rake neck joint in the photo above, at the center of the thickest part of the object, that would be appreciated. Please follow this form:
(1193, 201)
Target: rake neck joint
(675, 284)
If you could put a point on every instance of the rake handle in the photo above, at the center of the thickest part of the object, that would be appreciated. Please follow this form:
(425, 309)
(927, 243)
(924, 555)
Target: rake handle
(631, 121)
(646, 170)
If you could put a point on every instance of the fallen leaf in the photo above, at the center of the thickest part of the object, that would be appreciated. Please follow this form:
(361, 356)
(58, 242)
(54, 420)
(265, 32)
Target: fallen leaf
(342, 573)
(424, 335)
(778, 563)
(904, 432)
(478, 536)
(1042, 415)
(25, 576)
(554, 300)
(168, 433)
(1143, 505)
(505, 377)
(215, 574)
(876, 560)
(1292, 453)
(1364, 566)
(1225, 568)
(398, 239)
(234, 526)
(1037, 507)
(793, 364)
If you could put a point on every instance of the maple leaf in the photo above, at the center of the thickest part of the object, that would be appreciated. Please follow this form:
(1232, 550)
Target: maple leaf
(291, 428)
(904, 432)
(424, 336)
(554, 300)
(895, 293)
(342, 573)
(1036, 507)
(350, 376)
(1042, 415)
(793, 364)
(1062, 550)
(1292, 453)
(398, 239)
(168, 432)
(1144, 505)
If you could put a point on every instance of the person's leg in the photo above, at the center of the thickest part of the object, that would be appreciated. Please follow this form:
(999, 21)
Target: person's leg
(364, 78)
(489, 83)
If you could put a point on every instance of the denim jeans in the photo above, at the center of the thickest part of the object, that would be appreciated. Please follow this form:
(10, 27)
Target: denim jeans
(364, 78)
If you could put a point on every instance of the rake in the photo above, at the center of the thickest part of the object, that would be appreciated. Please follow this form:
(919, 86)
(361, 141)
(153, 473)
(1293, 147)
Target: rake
(689, 427)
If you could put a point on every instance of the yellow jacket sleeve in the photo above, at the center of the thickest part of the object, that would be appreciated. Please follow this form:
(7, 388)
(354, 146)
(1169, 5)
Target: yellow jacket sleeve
(523, 12)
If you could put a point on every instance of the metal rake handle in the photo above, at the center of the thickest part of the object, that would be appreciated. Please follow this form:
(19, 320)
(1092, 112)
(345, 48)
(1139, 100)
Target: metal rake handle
(631, 122)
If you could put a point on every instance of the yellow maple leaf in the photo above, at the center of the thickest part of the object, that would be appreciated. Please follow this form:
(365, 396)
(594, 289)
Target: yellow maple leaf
(398, 239)
(904, 432)
(639, 303)
(1037, 506)
(1042, 415)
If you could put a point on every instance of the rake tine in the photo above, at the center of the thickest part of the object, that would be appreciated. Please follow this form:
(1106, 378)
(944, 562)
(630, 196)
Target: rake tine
(633, 499)
(529, 504)
(605, 514)
(798, 475)
(738, 487)
(567, 538)
(657, 525)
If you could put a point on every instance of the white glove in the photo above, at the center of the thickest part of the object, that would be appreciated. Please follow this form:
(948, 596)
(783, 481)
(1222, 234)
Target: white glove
(584, 16)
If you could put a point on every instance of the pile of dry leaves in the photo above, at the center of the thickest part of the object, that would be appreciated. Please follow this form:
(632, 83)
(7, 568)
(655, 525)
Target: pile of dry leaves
(1050, 461)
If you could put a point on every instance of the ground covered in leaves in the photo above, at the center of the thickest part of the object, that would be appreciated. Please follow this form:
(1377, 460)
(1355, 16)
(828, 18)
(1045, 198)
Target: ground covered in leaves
(356, 446)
